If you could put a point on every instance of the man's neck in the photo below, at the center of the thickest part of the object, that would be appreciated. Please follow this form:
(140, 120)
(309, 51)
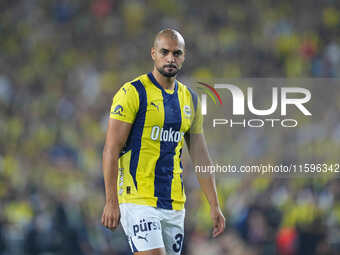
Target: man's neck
(165, 82)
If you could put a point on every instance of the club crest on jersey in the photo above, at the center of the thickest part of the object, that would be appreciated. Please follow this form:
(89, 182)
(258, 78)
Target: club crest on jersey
(166, 135)
(187, 111)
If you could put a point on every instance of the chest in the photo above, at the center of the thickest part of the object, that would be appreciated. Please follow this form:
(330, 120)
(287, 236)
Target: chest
(168, 111)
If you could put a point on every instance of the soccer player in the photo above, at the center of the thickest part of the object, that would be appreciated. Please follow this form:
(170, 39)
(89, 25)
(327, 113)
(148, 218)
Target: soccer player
(150, 118)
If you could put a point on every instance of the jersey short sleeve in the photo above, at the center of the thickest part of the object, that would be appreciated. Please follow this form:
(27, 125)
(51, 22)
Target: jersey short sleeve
(197, 124)
(125, 104)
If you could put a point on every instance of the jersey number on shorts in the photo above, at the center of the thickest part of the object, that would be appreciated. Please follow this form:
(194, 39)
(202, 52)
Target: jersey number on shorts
(178, 245)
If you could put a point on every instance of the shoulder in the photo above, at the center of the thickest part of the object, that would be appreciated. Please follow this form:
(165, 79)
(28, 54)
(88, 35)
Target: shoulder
(135, 81)
(188, 91)
(133, 87)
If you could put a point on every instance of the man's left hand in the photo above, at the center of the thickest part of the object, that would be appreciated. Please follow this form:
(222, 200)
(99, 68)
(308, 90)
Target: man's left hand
(218, 221)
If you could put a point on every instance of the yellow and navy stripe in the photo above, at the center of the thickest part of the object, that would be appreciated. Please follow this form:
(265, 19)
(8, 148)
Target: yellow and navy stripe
(137, 130)
(165, 164)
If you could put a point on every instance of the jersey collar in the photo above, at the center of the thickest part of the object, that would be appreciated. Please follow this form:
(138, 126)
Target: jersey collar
(154, 81)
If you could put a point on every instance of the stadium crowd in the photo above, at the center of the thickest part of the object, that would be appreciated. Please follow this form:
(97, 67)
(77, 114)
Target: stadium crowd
(60, 64)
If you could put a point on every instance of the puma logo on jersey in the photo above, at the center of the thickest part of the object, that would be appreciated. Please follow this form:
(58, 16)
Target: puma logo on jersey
(155, 105)
(143, 237)
(165, 135)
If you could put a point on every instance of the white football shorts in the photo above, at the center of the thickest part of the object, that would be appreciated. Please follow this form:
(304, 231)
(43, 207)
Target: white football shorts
(149, 228)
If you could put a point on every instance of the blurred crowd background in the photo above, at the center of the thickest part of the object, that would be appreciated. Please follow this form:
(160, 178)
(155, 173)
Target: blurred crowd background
(60, 65)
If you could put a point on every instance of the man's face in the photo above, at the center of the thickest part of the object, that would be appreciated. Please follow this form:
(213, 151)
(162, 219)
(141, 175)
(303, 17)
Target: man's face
(168, 56)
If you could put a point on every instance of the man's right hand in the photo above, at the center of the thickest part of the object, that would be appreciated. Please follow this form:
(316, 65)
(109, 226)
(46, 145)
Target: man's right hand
(111, 216)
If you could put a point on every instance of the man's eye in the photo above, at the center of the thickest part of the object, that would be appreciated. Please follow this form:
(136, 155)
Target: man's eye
(164, 52)
(177, 53)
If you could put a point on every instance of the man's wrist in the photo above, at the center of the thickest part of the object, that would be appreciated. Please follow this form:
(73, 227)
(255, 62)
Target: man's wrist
(113, 202)
(214, 206)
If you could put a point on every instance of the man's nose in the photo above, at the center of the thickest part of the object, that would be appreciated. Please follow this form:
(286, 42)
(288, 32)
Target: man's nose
(170, 58)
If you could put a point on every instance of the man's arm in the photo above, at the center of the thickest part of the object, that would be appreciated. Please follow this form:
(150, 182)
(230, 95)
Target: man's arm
(199, 154)
(116, 136)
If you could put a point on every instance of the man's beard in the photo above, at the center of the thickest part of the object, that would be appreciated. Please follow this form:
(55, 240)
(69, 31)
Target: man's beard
(168, 74)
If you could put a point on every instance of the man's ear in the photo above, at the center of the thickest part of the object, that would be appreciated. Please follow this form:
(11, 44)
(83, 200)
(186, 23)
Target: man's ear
(153, 53)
